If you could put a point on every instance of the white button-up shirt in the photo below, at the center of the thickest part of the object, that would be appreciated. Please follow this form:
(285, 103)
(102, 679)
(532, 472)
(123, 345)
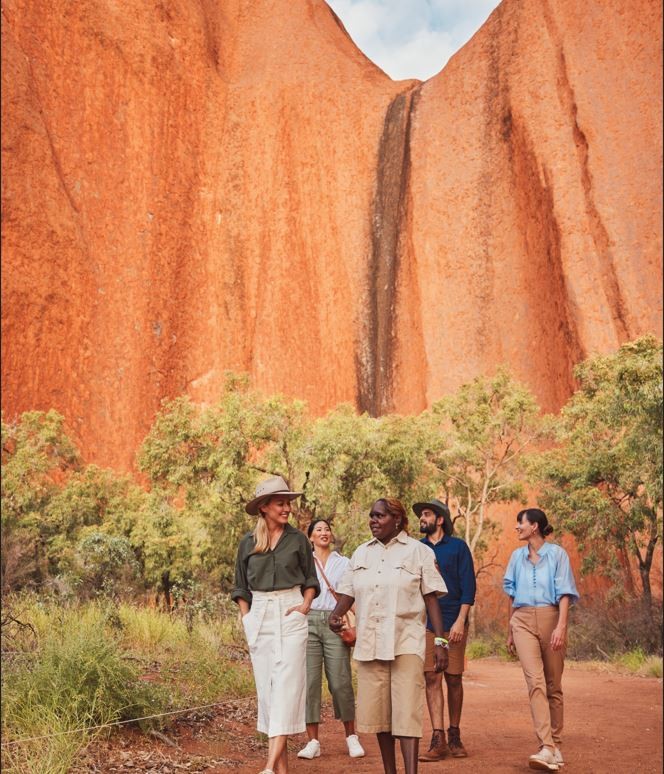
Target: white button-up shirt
(334, 569)
(388, 583)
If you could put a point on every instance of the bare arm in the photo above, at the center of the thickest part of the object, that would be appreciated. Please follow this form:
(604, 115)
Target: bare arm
(243, 605)
(433, 611)
(459, 626)
(559, 634)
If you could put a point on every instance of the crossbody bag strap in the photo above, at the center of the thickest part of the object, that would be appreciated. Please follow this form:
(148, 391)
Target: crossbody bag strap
(329, 585)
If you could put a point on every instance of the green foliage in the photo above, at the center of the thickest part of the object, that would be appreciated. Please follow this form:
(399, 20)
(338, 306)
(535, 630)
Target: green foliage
(36, 453)
(487, 426)
(105, 562)
(603, 482)
(91, 663)
(76, 678)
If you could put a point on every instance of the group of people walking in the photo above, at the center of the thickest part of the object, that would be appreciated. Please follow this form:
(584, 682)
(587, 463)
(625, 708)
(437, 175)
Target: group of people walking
(411, 600)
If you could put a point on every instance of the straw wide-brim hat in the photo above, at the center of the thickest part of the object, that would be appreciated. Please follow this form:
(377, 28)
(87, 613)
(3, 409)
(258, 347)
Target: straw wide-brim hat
(269, 488)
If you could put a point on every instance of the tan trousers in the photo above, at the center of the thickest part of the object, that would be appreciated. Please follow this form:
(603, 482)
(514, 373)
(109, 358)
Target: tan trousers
(542, 668)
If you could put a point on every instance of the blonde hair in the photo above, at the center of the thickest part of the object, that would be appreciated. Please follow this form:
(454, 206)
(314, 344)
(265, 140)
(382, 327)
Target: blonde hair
(261, 534)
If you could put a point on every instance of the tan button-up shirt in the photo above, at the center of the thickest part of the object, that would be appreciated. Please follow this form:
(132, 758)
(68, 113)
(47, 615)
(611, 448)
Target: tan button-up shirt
(388, 583)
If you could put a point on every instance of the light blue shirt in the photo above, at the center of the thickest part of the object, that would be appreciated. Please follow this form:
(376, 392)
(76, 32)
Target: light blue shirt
(544, 583)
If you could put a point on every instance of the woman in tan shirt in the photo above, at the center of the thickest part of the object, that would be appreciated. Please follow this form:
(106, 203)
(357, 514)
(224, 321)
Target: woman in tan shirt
(394, 583)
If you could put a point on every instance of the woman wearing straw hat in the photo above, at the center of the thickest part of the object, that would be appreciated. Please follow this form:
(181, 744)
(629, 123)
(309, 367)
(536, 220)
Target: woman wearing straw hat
(275, 583)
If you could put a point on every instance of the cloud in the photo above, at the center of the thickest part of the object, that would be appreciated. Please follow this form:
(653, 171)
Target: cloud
(411, 38)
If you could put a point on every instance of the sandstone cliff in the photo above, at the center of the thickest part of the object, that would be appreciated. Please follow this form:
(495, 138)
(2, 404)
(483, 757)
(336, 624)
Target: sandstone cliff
(192, 186)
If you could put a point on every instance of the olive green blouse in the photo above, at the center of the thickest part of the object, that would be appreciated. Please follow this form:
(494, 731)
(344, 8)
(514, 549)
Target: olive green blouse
(290, 563)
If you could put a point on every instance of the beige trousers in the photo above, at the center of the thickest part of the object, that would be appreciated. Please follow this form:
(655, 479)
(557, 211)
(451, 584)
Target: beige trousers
(542, 668)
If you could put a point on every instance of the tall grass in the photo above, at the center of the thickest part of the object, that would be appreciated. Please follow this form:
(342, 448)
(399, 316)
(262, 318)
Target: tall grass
(90, 664)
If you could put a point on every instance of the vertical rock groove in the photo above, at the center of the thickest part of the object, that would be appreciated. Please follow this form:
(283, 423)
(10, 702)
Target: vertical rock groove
(600, 236)
(375, 359)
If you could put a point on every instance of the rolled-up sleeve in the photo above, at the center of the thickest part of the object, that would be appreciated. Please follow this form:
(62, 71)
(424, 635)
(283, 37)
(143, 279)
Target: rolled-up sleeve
(432, 581)
(308, 567)
(509, 579)
(241, 588)
(563, 582)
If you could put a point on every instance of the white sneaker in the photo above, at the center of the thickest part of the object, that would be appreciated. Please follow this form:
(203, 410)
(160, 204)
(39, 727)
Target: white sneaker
(544, 760)
(355, 749)
(310, 750)
(558, 757)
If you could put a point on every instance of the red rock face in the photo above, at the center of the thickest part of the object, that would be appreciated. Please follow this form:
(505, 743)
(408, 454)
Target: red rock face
(191, 187)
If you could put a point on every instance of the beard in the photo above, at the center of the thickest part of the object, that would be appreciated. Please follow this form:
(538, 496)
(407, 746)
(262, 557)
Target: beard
(427, 529)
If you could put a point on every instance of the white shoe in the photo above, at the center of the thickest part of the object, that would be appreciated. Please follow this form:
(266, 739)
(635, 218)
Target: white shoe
(558, 757)
(310, 750)
(544, 760)
(355, 749)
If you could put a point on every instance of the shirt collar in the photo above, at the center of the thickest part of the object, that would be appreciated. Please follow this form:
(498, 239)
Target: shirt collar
(445, 539)
(402, 537)
(545, 548)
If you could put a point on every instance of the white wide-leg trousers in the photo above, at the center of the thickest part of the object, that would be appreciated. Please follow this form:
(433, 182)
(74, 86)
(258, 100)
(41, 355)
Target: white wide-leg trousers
(278, 645)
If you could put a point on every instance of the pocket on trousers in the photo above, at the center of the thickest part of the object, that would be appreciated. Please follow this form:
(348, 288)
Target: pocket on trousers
(251, 623)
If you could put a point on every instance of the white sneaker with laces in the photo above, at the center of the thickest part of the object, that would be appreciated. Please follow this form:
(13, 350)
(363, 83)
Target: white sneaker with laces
(355, 749)
(310, 750)
(558, 757)
(544, 760)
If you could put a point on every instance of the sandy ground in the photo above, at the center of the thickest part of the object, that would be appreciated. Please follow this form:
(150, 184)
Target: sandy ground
(613, 723)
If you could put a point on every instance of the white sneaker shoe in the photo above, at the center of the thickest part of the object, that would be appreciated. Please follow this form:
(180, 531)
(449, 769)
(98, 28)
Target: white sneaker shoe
(310, 750)
(355, 749)
(558, 757)
(544, 760)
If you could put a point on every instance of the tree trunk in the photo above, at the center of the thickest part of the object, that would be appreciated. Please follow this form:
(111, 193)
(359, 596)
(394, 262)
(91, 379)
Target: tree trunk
(166, 586)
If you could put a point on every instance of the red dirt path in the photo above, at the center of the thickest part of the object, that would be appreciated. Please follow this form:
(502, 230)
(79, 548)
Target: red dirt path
(613, 722)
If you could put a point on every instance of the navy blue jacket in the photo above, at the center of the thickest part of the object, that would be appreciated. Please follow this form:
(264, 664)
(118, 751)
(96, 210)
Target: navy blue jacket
(456, 566)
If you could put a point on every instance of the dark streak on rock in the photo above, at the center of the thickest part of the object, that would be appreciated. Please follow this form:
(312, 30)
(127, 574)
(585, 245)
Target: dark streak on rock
(375, 360)
(598, 231)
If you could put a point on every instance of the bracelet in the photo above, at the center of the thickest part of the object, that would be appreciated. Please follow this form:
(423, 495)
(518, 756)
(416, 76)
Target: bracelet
(441, 642)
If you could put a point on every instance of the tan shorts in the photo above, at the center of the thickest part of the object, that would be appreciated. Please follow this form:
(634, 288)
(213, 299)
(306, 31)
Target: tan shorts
(457, 654)
(390, 696)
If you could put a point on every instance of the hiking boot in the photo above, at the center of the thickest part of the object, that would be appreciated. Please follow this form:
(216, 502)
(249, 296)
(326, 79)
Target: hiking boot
(438, 749)
(456, 745)
(544, 760)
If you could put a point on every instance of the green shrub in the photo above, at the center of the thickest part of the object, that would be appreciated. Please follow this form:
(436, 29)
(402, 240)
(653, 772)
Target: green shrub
(71, 675)
(652, 667)
(487, 645)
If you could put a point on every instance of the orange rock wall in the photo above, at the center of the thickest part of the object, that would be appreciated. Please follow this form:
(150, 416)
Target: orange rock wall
(191, 187)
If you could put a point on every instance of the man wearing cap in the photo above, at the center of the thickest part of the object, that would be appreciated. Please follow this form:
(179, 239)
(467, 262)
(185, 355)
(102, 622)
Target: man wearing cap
(455, 563)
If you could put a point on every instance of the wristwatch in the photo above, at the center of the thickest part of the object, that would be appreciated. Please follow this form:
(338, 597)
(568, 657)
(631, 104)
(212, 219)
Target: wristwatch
(441, 642)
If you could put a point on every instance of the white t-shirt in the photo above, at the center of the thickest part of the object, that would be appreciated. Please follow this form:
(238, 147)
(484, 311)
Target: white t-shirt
(334, 569)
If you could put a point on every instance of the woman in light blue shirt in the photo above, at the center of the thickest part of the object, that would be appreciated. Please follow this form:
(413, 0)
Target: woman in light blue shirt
(540, 582)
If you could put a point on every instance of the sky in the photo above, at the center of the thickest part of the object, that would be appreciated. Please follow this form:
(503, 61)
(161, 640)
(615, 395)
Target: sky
(411, 38)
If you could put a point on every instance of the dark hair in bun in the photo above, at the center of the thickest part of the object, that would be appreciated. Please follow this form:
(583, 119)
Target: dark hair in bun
(536, 516)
